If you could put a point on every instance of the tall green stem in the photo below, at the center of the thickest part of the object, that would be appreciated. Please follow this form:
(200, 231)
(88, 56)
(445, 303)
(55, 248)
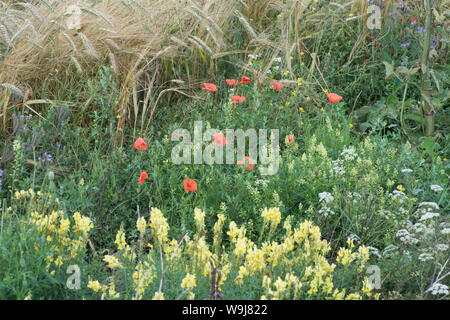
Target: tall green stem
(428, 109)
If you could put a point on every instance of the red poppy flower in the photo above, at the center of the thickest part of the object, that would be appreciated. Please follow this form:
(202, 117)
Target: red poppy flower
(247, 160)
(237, 99)
(245, 79)
(333, 97)
(277, 85)
(140, 144)
(289, 138)
(190, 185)
(142, 177)
(219, 139)
(209, 87)
(231, 82)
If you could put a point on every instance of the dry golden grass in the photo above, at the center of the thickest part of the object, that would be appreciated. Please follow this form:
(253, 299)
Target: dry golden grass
(145, 41)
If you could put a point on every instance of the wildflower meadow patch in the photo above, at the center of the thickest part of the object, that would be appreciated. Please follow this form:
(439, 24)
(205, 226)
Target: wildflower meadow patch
(224, 150)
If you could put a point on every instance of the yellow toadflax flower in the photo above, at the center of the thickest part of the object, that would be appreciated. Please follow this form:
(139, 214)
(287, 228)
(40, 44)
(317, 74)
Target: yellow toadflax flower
(159, 225)
(188, 282)
(199, 217)
(112, 261)
(141, 225)
(271, 216)
(158, 296)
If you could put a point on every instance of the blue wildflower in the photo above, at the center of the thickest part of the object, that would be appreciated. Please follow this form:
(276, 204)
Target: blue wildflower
(420, 29)
(405, 44)
(46, 157)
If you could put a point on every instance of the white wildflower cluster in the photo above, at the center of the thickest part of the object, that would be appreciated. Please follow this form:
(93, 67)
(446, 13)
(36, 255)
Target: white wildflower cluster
(406, 237)
(325, 198)
(262, 182)
(424, 232)
(429, 215)
(398, 195)
(432, 205)
(390, 251)
(425, 257)
(325, 211)
(354, 196)
(254, 56)
(442, 247)
(337, 170)
(277, 59)
(427, 211)
(349, 154)
(439, 288)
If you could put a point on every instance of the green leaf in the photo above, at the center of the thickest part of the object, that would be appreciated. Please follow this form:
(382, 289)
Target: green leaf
(415, 116)
(389, 69)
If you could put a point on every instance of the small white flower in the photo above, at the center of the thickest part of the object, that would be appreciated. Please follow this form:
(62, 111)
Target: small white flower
(425, 257)
(445, 231)
(326, 196)
(337, 163)
(261, 181)
(325, 211)
(277, 59)
(349, 154)
(436, 188)
(439, 288)
(429, 204)
(442, 247)
(406, 170)
(429, 215)
(337, 170)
